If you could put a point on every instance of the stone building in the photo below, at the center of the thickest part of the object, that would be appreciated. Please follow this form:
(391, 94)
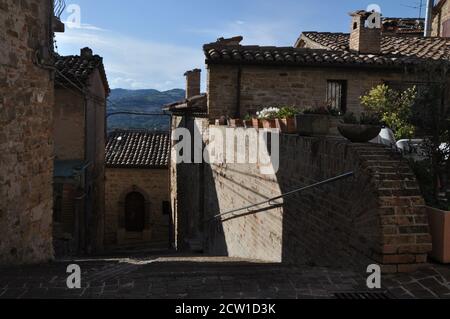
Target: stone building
(26, 141)
(137, 190)
(441, 19)
(377, 216)
(79, 128)
(403, 26)
(322, 68)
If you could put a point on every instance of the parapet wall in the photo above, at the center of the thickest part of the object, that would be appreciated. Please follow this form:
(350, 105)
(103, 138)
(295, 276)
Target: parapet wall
(377, 216)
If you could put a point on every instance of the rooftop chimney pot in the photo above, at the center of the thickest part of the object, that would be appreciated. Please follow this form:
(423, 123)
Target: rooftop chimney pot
(193, 79)
(365, 35)
(86, 53)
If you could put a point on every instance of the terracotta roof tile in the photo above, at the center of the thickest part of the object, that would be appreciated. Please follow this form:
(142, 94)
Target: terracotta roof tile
(138, 149)
(217, 54)
(391, 45)
(78, 69)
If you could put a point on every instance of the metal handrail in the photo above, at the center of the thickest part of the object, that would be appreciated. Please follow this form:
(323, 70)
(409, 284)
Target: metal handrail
(271, 200)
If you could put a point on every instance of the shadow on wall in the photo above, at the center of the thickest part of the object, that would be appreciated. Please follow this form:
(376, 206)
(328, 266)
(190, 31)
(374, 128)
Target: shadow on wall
(374, 217)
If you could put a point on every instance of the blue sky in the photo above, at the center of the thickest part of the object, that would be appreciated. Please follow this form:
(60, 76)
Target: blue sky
(150, 43)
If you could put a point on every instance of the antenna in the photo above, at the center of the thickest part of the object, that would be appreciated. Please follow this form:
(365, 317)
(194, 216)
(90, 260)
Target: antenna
(418, 5)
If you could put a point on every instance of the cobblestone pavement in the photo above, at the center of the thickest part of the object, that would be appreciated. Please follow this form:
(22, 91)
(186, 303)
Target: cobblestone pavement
(193, 277)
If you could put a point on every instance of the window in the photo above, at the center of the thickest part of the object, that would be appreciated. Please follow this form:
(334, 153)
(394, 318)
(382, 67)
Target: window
(135, 212)
(337, 95)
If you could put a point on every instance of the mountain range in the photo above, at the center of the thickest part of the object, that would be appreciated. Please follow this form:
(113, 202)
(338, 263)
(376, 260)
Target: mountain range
(142, 101)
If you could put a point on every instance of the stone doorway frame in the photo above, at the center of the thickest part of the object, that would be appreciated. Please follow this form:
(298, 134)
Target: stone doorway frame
(123, 236)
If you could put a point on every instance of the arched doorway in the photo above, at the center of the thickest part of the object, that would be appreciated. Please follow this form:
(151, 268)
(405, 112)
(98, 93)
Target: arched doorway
(135, 212)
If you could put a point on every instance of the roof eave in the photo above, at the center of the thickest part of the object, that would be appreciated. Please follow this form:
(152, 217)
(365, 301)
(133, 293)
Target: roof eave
(308, 64)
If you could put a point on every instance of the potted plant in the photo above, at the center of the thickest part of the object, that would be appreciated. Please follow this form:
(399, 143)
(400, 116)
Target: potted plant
(222, 121)
(236, 123)
(257, 124)
(286, 120)
(313, 121)
(267, 117)
(363, 130)
(248, 121)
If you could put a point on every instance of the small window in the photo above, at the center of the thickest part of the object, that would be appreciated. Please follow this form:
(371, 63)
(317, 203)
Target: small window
(337, 95)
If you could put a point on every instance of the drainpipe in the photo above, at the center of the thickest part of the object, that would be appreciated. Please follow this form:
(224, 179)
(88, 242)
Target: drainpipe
(429, 18)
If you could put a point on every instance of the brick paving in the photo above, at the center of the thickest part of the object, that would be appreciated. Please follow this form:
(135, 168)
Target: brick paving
(194, 277)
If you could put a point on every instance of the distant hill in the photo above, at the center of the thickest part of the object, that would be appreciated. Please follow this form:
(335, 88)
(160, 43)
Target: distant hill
(149, 101)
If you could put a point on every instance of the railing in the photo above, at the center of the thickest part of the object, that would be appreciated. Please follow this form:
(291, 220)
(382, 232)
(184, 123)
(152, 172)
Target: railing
(58, 8)
(271, 200)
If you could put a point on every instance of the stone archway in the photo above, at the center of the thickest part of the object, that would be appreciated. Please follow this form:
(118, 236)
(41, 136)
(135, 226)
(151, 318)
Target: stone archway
(135, 218)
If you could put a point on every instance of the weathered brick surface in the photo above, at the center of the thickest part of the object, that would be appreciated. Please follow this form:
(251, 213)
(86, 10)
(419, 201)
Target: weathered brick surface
(377, 216)
(278, 86)
(154, 183)
(26, 101)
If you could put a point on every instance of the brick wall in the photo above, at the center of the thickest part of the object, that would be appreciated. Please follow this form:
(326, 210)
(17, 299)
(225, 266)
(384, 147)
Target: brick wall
(377, 216)
(279, 86)
(26, 101)
(154, 184)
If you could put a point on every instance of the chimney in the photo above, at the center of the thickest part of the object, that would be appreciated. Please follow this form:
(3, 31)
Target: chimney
(193, 78)
(429, 18)
(235, 41)
(86, 53)
(365, 36)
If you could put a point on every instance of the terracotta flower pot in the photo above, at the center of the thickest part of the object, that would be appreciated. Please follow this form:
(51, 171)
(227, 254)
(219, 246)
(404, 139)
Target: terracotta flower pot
(221, 122)
(288, 126)
(257, 123)
(269, 124)
(357, 133)
(248, 123)
(312, 124)
(440, 232)
(236, 123)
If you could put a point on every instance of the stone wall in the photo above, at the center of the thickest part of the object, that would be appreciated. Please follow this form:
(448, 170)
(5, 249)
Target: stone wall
(69, 129)
(26, 102)
(441, 18)
(154, 185)
(80, 135)
(377, 216)
(261, 86)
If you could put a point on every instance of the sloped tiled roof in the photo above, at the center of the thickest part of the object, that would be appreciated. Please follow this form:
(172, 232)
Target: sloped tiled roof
(78, 69)
(404, 26)
(138, 149)
(219, 54)
(400, 47)
(195, 104)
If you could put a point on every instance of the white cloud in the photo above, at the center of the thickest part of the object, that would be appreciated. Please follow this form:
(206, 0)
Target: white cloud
(133, 63)
(83, 26)
(254, 32)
